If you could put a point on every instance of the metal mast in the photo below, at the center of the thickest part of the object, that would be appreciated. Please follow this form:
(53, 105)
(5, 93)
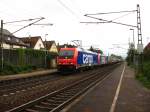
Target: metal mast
(140, 44)
(139, 25)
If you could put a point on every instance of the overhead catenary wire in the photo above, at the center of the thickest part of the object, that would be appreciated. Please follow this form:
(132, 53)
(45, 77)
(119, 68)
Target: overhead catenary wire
(106, 21)
(67, 8)
(29, 24)
(112, 12)
(22, 20)
(110, 20)
(121, 16)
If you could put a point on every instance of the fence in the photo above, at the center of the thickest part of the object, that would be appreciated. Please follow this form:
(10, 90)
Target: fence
(22, 57)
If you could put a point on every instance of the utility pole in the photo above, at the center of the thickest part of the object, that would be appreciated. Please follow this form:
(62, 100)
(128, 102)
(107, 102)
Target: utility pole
(2, 57)
(133, 47)
(140, 44)
(45, 50)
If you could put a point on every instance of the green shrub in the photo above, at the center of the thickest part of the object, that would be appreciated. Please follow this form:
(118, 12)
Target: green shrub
(146, 70)
(10, 69)
(144, 80)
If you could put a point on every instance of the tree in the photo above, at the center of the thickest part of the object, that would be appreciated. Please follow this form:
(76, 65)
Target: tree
(131, 56)
(96, 50)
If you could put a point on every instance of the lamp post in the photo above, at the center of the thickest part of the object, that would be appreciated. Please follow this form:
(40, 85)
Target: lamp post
(45, 49)
(2, 57)
(133, 37)
(133, 47)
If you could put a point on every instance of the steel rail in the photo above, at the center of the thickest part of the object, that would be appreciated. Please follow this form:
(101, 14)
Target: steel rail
(57, 100)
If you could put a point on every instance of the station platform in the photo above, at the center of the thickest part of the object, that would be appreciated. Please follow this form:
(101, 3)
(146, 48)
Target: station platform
(119, 92)
(25, 75)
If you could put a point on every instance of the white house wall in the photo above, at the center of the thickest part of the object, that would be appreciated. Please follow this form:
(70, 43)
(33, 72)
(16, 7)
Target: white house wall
(39, 44)
(6, 46)
(53, 48)
(16, 46)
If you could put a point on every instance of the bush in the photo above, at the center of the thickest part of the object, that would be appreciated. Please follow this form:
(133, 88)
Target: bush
(146, 70)
(10, 69)
(144, 78)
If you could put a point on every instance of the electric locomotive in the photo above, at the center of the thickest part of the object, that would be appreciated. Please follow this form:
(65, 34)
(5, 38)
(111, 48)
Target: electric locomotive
(76, 58)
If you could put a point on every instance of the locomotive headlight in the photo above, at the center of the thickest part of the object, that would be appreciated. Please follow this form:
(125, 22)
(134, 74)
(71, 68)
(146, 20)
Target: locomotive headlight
(71, 63)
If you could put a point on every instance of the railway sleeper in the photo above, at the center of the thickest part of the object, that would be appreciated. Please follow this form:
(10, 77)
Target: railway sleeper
(49, 104)
(63, 96)
(58, 98)
(31, 110)
(67, 95)
(69, 92)
(42, 108)
(73, 91)
(54, 102)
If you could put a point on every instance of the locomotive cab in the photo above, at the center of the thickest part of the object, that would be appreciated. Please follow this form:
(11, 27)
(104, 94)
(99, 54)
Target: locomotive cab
(67, 59)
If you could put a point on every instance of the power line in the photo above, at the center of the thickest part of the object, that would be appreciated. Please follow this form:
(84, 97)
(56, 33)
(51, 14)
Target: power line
(45, 24)
(110, 20)
(107, 21)
(29, 24)
(121, 16)
(66, 7)
(113, 12)
(21, 20)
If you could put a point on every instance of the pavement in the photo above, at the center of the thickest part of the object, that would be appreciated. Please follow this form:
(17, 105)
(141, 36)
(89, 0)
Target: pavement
(119, 92)
(30, 74)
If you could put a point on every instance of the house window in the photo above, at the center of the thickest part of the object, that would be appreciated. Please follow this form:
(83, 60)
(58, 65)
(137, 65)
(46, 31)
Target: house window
(8, 38)
(17, 40)
(40, 45)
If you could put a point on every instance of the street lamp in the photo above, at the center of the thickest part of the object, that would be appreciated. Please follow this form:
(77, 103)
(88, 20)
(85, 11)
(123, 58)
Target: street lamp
(134, 56)
(133, 37)
(133, 47)
(2, 57)
(45, 49)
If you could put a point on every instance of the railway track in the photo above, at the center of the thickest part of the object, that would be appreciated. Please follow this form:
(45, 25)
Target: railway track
(11, 86)
(28, 83)
(57, 100)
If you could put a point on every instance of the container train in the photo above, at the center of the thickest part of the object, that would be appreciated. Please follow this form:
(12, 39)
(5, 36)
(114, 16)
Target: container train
(77, 58)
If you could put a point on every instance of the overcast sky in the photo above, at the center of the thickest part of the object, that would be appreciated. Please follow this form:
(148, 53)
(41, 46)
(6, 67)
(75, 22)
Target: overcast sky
(66, 15)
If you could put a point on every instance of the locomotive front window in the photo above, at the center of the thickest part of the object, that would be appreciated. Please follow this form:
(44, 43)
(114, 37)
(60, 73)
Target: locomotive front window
(66, 53)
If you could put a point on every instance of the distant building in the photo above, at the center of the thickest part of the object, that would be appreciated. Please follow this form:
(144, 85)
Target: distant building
(9, 41)
(65, 46)
(147, 46)
(34, 42)
(51, 46)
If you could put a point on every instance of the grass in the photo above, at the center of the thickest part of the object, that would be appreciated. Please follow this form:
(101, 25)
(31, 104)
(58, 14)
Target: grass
(144, 78)
(145, 82)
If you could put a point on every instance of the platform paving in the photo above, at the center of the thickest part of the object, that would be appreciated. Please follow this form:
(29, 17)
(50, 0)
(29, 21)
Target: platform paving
(30, 74)
(132, 96)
